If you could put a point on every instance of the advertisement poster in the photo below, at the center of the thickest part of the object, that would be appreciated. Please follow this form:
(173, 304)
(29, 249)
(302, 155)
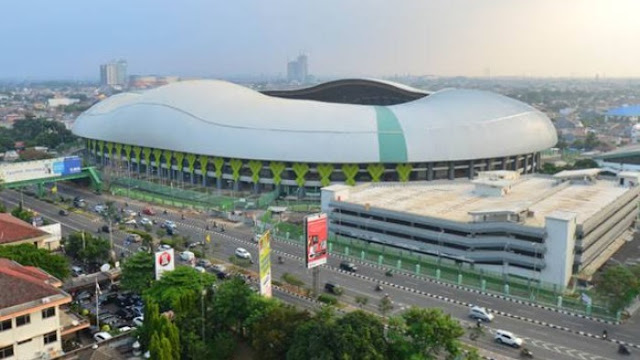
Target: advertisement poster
(264, 254)
(39, 169)
(315, 231)
(164, 261)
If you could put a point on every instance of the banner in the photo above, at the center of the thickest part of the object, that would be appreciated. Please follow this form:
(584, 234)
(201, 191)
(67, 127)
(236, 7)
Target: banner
(315, 233)
(39, 169)
(264, 254)
(164, 261)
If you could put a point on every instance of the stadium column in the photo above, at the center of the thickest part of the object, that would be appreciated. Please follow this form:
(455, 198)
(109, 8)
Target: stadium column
(430, 171)
(526, 164)
(471, 169)
(505, 160)
(452, 170)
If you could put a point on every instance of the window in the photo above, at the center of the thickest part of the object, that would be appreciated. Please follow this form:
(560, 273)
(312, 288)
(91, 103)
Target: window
(50, 337)
(24, 341)
(5, 325)
(6, 352)
(23, 320)
(48, 312)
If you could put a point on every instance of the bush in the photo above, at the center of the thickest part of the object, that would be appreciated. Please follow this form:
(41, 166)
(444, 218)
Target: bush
(161, 232)
(328, 299)
(293, 280)
(197, 253)
(245, 263)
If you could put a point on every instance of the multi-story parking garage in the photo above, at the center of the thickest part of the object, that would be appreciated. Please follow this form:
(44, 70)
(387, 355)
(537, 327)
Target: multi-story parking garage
(346, 131)
(539, 227)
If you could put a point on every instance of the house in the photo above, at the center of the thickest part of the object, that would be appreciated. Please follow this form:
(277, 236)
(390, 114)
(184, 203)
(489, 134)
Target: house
(32, 322)
(14, 231)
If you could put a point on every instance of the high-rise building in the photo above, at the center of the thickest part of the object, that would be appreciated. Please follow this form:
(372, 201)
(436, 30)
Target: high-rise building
(298, 70)
(114, 73)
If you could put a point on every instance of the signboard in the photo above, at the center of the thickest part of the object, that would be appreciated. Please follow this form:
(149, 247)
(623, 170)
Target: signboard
(264, 254)
(164, 261)
(315, 233)
(39, 169)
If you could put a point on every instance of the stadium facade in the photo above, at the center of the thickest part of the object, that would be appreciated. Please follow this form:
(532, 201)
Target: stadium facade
(347, 131)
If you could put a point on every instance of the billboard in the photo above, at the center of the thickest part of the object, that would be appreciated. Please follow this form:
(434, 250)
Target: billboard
(164, 261)
(40, 169)
(315, 233)
(264, 254)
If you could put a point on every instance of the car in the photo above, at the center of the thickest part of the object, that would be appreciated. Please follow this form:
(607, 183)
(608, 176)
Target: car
(242, 253)
(125, 328)
(205, 263)
(168, 224)
(200, 269)
(348, 266)
(133, 238)
(218, 268)
(138, 321)
(105, 228)
(195, 244)
(79, 202)
(131, 222)
(84, 295)
(143, 249)
(63, 212)
(125, 314)
(99, 208)
(333, 288)
(508, 338)
(187, 256)
(164, 247)
(172, 231)
(145, 221)
(102, 336)
(480, 313)
(148, 211)
(76, 271)
(108, 298)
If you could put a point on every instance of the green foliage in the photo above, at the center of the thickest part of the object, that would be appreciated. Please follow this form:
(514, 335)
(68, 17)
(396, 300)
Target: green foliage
(146, 152)
(360, 336)
(585, 164)
(218, 164)
(138, 272)
(36, 132)
(147, 239)
(404, 171)
(328, 299)
(23, 214)
(301, 170)
(619, 284)
(203, 160)
(127, 151)
(272, 334)
(191, 160)
(157, 154)
(236, 165)
(385, 305)
(255, 166)
(292, 279)
(86, 247)
(118, 148)
(174, 284)
(232, 305)
(29, 255)
(325, 171)
(350, 171)
(224, 346)
(315, 339)
(110, 149)
(277, 167)
(361, 301)
(375, 171)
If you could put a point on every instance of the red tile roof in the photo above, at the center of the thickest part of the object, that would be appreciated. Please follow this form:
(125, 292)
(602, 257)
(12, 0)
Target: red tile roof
(13, 229)
(26, 284)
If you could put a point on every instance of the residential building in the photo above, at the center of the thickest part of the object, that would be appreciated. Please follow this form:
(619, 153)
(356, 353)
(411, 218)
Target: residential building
(114, 73)
(32, 322)
(14, 231)
(551, 229)
(298, 69)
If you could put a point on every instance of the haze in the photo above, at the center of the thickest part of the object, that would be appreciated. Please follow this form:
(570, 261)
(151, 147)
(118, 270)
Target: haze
(44, 39)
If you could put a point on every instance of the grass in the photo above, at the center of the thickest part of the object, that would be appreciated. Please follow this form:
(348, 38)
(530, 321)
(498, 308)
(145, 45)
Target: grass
(243, 263)
(292, 280)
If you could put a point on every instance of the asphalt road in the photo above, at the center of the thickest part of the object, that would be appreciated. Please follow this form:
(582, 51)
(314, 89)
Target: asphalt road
(545, 342)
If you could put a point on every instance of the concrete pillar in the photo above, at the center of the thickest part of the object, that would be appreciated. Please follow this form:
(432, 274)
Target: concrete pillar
(219, 183)
(452, 170)
(430, 171)
(489, 166)
(471, 171)
(526, 164)
(505, 160)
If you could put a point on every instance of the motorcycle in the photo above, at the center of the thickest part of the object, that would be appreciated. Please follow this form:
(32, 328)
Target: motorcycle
(526, 353)
(623, 350)
(280, 260)
(379, 287)
(389, 273)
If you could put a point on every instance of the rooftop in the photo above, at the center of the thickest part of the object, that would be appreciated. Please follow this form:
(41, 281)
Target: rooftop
(27, 284)
(13, 229)
(455, 200)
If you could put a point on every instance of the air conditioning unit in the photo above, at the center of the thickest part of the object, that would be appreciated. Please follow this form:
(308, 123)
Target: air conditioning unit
(46, 300)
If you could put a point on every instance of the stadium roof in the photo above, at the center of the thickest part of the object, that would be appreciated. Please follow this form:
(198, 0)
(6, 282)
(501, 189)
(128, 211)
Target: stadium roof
(223, 119)
(630, 110)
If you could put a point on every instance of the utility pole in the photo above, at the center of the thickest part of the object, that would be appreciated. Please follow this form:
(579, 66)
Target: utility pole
(315, 272)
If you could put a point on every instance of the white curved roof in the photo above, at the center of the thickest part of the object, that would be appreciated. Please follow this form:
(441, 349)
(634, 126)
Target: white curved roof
(223, 119)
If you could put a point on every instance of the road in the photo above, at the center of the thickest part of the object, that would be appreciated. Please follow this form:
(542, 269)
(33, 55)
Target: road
(546, 342)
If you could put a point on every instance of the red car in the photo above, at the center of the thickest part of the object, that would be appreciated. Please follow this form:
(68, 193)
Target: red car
(148, 211)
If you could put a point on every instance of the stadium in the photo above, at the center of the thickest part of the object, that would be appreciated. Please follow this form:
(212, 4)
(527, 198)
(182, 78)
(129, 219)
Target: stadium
(348, 131)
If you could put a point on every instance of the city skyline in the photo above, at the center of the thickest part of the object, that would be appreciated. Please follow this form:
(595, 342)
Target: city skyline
(353, 38)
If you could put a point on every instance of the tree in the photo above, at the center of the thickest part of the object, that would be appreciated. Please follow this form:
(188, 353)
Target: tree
(29, 255)
(424, 334)
(362, 301)
(585, 164)
(174, 284)
(22, 213)
(619, 284)
(232, 304)
(385, 305)
(272, 334)
(86, 247)
(360, 335)
(138, 272)
(316, 338)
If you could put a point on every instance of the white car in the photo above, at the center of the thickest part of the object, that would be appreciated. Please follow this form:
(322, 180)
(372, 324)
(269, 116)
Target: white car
(187, 256)
(102, 336)
(508, 338)
(243, 253)
(200, 269)
(131, 222)
(168, 224)
(480, 313)
(99, 208)
(145, 221)
(138, 321)
(164, 247)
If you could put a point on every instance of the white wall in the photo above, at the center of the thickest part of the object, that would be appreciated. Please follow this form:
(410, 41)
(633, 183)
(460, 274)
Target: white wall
(560, 243)
(34, 331)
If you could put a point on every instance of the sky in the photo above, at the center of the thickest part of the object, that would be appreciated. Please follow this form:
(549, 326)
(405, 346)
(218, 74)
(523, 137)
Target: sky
(69, 39)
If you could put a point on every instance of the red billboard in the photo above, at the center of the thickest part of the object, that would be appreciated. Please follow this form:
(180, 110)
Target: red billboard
(315, 231)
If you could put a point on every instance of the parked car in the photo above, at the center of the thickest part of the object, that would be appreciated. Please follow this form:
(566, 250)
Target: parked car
(131, 222)
(76, 271)
(108, 298)
(195, 244)
(333, 288)
(145, 221)
(480, 313)
(168, 224)
(102, 336)
(148, 211)
(63, 212)
(138, 321)
(105, 228)
(508, 338)
(172, 231)
(133, 238)
(242, 253)
(187, 256)
(200, 269)
(164, 247)
(99, 208)
(79, 202)
(205, 263)
(348, 266)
